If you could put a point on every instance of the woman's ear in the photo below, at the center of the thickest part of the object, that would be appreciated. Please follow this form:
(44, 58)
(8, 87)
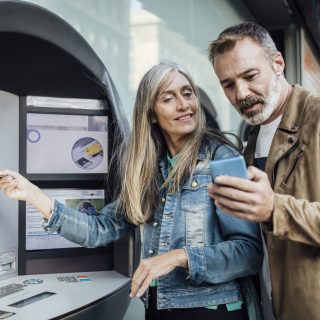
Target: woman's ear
(153, 117)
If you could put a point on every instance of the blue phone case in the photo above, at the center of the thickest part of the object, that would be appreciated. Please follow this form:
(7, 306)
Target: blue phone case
(235, 167)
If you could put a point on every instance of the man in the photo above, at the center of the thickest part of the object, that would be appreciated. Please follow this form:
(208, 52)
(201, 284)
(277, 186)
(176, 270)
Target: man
(285, 143)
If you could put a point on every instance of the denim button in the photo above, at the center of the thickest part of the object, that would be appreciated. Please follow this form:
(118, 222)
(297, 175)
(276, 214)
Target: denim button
(155, 224)
(163, 200)
(151, 252)
(194, 183)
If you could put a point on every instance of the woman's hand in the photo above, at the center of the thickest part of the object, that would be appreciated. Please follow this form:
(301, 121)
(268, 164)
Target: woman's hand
(15, 186)
(152, 268)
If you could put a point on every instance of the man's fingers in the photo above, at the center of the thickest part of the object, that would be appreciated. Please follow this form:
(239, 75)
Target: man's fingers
(256, 174)
(236, 213)
(234, 182)
(218, 192)
(234, 206)
(252, 200)
(243, 184)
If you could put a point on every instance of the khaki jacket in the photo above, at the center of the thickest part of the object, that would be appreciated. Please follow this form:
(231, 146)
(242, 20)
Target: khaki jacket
(293, 236)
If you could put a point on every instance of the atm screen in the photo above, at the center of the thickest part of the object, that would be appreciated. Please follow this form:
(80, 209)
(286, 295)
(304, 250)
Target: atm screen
(86, 201)
(64, 144)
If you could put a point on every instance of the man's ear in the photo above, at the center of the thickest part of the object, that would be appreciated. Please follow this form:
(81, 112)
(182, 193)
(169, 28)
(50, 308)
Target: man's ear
(278, 63)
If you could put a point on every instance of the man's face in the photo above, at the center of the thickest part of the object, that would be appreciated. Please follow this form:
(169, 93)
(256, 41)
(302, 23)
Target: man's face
(249, 80)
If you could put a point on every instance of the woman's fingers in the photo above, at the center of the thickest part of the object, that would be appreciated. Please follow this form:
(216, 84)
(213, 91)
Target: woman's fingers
(14, 185)
(152, 268)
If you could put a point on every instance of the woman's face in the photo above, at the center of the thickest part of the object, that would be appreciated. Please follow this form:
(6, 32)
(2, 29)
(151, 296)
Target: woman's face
(176, 109)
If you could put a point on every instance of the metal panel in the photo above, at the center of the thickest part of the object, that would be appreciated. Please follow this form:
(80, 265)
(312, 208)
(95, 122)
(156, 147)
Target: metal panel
(9, 146)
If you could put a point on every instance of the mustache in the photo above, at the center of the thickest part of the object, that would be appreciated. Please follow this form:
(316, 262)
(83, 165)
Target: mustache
(250, 101)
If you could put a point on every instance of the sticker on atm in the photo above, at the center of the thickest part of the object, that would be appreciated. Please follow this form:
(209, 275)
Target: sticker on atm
(83, 278)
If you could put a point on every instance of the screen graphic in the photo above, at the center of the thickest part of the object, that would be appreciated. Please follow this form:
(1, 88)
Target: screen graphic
(67, 143)
(87, 153)
(86, 201)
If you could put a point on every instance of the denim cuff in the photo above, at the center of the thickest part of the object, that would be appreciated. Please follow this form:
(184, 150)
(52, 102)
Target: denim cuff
(197, 264)
(55, 221)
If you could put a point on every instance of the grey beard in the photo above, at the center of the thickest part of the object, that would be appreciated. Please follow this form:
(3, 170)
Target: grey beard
(269, 105)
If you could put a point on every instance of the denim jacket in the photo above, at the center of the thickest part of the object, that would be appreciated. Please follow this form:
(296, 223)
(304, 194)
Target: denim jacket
(220, 248)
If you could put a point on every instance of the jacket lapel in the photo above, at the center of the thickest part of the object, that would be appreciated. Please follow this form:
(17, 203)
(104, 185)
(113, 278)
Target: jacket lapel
(286, 138)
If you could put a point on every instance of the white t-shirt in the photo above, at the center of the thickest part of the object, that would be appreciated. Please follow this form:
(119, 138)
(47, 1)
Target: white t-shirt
(265, 138)
(263, 146)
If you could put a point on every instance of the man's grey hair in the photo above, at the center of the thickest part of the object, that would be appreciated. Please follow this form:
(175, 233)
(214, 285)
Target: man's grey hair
(229, 37)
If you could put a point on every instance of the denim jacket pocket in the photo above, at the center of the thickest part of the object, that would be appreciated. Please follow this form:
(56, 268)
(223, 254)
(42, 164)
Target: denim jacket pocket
(194, 194)
(195, 202)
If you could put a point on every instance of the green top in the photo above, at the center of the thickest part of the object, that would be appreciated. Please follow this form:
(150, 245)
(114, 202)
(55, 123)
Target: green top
(172, 160)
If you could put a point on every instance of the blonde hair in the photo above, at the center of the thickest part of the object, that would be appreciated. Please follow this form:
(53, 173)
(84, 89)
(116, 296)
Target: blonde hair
(140, 155)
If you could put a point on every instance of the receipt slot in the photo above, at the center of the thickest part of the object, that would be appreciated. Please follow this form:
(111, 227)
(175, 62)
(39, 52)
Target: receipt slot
(60, 115)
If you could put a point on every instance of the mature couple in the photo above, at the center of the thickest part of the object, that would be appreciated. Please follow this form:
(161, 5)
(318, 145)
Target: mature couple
(202, 240)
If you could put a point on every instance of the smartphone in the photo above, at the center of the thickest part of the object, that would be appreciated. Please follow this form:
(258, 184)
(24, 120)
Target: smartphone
(235, 167)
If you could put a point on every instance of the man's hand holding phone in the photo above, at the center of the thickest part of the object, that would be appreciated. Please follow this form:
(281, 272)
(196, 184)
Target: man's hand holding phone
(245, 194)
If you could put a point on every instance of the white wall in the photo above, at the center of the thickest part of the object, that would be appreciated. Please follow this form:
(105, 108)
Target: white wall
(131, 35)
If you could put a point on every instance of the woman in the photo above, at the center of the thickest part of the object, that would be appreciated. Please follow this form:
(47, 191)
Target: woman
(193, 254)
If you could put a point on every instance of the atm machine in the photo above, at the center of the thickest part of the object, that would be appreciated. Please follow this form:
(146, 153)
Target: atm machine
(60, 115)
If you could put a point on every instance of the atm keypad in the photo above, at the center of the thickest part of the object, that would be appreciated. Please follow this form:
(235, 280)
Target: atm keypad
(10, 289)
(67, 279)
